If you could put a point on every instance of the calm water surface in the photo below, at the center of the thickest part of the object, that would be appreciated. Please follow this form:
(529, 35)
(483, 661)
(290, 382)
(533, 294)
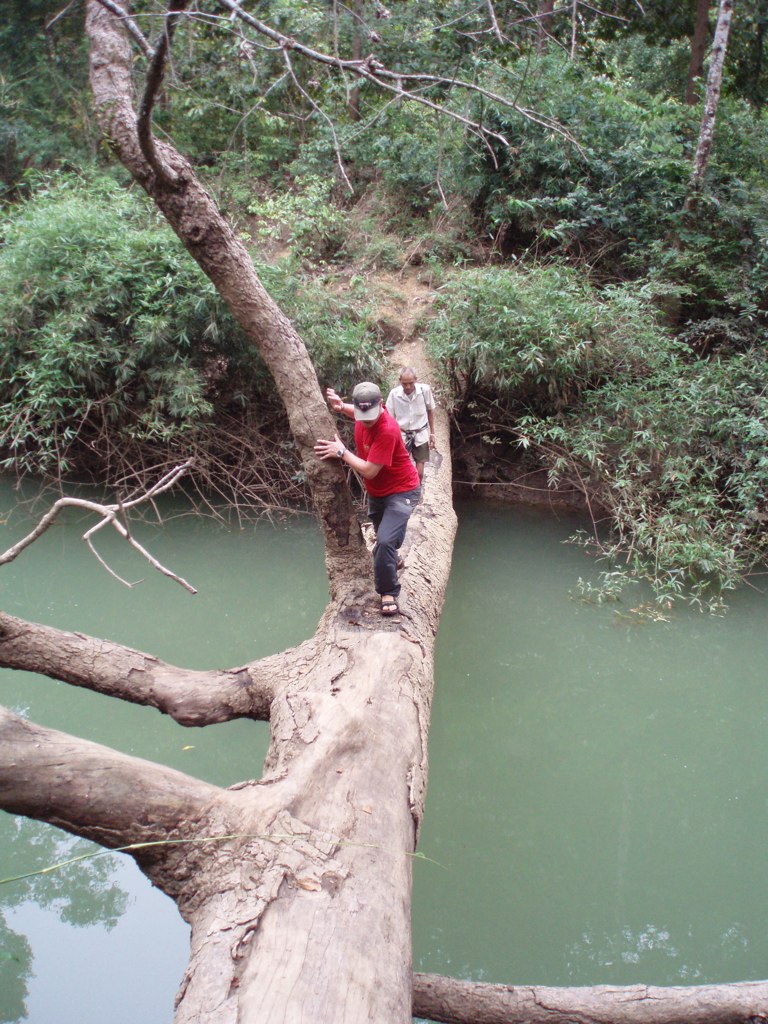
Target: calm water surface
(598, 789)
(598, 802)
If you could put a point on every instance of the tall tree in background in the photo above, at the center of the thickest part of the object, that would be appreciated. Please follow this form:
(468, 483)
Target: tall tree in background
(698, 48)
(711, 101)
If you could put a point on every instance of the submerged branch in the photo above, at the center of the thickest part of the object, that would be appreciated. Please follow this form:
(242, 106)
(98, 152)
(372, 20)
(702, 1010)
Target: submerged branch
(465, 1002)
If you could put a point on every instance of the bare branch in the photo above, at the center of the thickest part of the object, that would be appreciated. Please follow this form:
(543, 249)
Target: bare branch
(494, 21)
(60, 14)
(316, 107)
(152, 85)
(401, 83)
(194, 216)
(109, 514)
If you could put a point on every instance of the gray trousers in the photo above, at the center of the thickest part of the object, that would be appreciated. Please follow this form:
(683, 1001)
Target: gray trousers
(390, 517)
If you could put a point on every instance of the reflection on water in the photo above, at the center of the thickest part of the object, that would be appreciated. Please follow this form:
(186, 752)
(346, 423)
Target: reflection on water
(596, 802)
(597, 790)
(80, 890)
(78, 894)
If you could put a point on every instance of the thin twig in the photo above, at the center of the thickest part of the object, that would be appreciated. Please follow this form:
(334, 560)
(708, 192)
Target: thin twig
(322, 113)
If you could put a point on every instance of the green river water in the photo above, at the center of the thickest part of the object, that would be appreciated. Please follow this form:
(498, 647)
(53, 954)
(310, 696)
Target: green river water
(598, 794)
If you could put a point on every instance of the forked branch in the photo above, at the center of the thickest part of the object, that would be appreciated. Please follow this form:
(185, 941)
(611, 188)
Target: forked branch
(110, 516)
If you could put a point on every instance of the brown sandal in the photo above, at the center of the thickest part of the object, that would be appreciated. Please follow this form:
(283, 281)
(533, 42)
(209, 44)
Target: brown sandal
(389, 605)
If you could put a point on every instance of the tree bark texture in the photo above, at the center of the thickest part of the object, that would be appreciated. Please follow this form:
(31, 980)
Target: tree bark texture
(464, 1002)
(94, 791)
(191, 698)
(712, 100)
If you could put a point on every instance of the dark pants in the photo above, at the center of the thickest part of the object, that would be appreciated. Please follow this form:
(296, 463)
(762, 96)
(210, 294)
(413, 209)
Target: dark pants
(390, 517)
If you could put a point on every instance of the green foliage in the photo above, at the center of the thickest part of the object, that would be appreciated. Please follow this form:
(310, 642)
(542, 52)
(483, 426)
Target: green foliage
(44, 113)
(538, 338)
(304, 217)
(110, 331)
(615, 203)
(415, 153)
(673, 447)
(332, 319)
(678, 455)
(622, 187)
(108, 325)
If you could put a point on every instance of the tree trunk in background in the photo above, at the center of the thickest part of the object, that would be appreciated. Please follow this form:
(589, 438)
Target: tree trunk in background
(711, 101)
(698, 47)
(544, 24)
(353, 107)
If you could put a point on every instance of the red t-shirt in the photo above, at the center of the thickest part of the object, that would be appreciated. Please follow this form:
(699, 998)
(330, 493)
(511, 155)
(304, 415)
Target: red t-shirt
(382, 443)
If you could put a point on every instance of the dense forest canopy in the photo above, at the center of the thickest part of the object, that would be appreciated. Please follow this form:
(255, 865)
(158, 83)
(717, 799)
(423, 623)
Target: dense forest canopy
(591, 323)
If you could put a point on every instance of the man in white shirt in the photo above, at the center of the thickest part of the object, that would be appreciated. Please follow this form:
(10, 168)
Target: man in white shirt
(412, 405)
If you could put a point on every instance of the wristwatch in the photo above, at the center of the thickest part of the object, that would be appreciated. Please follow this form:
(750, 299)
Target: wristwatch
(340, 453)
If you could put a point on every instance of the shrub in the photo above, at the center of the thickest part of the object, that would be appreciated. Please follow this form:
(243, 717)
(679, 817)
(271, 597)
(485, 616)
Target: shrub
(108, 325)
(672, 446)
(304, 217)
(614, 203)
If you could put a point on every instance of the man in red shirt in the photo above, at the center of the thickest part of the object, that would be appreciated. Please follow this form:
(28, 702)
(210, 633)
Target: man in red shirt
(389, 477)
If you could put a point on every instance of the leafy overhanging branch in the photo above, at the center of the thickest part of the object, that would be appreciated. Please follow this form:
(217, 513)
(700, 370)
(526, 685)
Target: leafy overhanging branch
(403, 85)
